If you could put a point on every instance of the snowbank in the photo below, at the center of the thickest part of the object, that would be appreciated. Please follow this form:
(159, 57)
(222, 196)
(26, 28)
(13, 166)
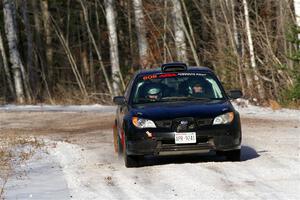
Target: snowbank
(266, 112)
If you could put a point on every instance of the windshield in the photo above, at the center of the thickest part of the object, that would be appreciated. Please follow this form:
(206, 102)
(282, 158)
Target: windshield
(176, 87)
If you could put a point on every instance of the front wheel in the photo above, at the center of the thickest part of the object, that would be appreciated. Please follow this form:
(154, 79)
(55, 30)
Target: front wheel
(131, 160)
(116, 138)
(120, 146)
(233, 155)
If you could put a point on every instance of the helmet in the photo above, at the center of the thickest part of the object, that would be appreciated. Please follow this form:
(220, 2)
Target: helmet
(196, 86)
(153, 92)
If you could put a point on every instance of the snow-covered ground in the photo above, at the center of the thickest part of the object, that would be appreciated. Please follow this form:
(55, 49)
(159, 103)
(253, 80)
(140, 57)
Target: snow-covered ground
(80, 163)
(39, 178)
(266, 112)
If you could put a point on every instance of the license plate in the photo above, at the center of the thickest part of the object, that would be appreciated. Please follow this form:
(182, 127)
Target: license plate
(185, 138)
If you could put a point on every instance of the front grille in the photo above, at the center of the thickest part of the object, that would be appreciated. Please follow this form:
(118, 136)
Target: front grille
(204, 122)
(184, 124)
(164, 124)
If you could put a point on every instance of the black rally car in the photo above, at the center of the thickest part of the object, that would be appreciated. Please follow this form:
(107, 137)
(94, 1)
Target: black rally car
(176, 110)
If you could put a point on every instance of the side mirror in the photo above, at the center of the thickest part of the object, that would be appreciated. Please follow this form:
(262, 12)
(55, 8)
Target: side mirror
(119, 100)
(235, 94)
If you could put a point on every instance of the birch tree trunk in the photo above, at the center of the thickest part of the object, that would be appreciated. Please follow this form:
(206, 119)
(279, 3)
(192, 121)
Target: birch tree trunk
(179, 32)
(236, 34)
(246, 68)
(189, 22)
(260, 88)
(141, 32)
(234, 38)
(6, 67)
(113, 42)
(15, 59)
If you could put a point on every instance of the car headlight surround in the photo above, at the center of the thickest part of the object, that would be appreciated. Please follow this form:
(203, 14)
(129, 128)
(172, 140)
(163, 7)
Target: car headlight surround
(143, 123)
(224, 118)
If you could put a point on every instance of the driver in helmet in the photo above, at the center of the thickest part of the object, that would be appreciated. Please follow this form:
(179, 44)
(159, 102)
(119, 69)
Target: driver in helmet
(154, 94)
(197, 89)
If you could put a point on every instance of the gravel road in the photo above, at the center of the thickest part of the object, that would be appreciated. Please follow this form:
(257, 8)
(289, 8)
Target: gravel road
(78, 162)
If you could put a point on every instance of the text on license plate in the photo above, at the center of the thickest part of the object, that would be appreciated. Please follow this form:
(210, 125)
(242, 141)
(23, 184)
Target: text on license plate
(185, 138)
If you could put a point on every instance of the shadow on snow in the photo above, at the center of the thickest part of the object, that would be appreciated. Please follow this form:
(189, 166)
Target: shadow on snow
(247, 153)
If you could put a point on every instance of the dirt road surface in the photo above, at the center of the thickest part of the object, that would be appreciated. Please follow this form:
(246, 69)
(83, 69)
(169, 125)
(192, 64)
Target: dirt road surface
(78, 162)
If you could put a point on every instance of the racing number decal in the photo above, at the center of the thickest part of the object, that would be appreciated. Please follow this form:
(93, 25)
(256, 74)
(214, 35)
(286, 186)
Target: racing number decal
(148, 77)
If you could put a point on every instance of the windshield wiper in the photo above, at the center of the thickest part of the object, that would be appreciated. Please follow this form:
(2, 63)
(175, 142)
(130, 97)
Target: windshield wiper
(198, 98)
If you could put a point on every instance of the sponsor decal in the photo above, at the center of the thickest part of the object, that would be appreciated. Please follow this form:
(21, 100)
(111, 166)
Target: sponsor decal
(168, 75)
(191, 74)
(154, 76)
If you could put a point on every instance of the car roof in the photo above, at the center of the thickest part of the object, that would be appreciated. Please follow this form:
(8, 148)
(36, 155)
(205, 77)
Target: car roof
(158, 70)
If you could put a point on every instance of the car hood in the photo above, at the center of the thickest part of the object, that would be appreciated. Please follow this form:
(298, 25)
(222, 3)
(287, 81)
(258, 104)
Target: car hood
(171, 110)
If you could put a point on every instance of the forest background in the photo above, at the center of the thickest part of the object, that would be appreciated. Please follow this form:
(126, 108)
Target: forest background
(86, 51)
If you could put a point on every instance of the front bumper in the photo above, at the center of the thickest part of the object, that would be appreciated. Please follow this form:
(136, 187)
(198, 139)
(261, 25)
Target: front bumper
(222, 138)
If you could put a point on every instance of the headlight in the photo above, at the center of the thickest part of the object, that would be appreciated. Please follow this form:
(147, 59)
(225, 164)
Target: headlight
(224, 119)
(143, 123)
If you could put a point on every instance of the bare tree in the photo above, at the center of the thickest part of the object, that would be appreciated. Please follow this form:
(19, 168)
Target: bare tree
(6, 67)
(29, 51)
(15, 59)
(48, 36)
(249, 43)
(70, 58)
(251, 51)
(141, 32)
(29, 37)
(297, 13)
(113, 41)
(84, 51)
(86, 19)
(179, 31)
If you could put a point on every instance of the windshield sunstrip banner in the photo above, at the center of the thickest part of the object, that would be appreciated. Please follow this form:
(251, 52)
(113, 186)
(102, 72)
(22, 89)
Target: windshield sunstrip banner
(168, 75)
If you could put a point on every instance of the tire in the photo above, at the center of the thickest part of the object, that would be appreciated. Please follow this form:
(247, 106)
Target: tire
(131, 160)
(116, 138)
(233, 155)
(120, 146)
(220, 153)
